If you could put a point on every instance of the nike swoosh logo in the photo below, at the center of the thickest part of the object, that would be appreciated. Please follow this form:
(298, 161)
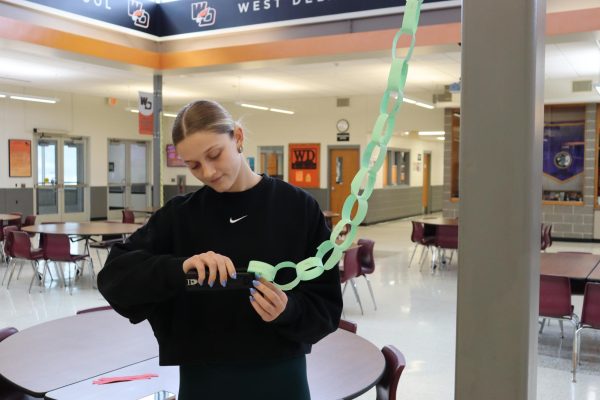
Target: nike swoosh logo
(233, 221)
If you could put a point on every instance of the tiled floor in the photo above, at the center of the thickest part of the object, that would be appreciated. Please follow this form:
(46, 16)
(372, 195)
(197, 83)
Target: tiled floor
(416, 312)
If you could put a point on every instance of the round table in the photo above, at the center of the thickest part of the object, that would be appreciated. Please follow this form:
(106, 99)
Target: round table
(84, 229)
(63, 356)
(9, 217)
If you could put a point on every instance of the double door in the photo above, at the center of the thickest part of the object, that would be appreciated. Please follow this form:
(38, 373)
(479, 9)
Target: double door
(61, 189)
(128, 172)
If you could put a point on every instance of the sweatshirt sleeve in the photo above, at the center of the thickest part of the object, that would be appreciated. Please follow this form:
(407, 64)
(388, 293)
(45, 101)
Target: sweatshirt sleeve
(141, 273)
(314, 307)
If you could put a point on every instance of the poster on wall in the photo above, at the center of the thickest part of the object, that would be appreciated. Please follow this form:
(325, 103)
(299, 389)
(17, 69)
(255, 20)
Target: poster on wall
(563, 160)
(304, 167)
(19, 158)
(173, 159)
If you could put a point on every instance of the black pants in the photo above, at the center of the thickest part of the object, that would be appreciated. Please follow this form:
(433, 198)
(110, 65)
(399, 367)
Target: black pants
(260, 380)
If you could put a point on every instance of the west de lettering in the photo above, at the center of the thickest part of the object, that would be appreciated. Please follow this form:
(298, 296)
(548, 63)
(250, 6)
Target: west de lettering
(257, 5)
(99, 3)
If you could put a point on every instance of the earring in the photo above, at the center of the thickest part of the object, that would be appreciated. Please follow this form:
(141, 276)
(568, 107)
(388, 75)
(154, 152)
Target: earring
(240, 149)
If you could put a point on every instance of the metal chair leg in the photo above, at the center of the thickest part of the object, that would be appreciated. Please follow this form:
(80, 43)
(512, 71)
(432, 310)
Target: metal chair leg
(562, 333)
(575, 358)
(357, 296)
(542, 326)
(413, 254)
(371, 291)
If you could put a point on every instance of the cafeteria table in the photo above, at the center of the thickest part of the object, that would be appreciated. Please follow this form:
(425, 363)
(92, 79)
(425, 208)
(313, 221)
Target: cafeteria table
(578, 267)
(60, 359)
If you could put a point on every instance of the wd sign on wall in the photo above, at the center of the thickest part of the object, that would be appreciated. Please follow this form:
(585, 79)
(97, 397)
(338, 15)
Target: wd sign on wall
(304, 168)
(190, 17)
(146, 114)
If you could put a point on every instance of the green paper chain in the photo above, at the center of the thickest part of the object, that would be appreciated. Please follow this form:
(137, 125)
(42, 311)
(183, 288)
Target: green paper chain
(383, 129)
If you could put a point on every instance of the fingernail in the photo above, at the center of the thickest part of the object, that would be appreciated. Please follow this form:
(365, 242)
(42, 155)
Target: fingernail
(200, 282)
(234, 276)
(251, 299)
(252, 291)
(224, 283)
(211, 283)
(256, 283)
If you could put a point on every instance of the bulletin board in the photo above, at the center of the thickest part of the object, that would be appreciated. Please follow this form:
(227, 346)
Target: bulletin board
(19, 158)
(305, 165)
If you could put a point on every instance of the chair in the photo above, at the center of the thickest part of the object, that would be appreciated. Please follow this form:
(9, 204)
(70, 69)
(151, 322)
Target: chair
(546, 240)
(16, 222)
(7, 247)
(57, 248)
(128, 217)
(350, 271)
(590, 319)
(394, 365)
(446, 238)
(419, 239)
(29, 220)
(94, 309)
(106, 243)
(348, 325)
(366, 262)
(555, 301)
(21, 249)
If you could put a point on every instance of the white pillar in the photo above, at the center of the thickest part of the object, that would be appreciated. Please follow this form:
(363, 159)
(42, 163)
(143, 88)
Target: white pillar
(500, 199)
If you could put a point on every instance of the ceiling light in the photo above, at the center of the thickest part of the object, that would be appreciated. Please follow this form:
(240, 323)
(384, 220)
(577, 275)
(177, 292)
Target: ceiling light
(35, 99)
(431, 133)
(133, 110)
(170, 115)
(417, 103)
(263, 108)
(254, 106)
(278, 110)
(441, 138)
(2, 96)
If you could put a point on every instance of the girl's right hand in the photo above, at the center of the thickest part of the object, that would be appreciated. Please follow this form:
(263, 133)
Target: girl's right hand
(214, 263)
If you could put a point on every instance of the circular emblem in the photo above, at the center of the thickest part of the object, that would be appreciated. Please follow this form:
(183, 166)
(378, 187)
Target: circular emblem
(563, 160)
(342, 125)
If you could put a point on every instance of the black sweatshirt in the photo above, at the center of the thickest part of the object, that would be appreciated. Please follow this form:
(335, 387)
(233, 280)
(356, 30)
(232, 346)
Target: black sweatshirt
(143, 278)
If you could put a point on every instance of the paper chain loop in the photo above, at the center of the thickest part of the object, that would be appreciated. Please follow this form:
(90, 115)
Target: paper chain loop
(371, 161)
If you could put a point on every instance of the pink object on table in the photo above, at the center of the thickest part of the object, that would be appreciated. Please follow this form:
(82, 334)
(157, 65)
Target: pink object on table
(114, 379)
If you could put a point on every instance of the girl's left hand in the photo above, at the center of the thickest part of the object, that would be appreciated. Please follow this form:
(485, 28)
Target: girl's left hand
(268, 300)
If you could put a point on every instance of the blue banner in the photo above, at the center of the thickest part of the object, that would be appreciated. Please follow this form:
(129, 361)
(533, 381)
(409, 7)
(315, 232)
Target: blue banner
(563, 151)
(189, 16)
(140, 15)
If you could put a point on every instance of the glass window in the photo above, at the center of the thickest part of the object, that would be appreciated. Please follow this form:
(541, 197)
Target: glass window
(271, 161)
(397, 168)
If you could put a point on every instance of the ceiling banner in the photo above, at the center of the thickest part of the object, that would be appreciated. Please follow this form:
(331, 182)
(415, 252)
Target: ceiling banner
(190, 16)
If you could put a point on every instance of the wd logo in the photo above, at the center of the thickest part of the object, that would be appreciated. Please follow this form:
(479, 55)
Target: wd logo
(139, 16)
(147, 104)
(192, 282)
(304, 159)
(203, 14)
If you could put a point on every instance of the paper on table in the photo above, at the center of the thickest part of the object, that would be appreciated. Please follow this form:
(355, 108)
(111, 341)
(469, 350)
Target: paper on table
(103, 381)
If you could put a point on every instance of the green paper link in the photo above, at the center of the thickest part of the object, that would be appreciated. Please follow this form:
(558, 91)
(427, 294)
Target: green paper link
(383, 130)
(397, 77)
(376, 134)
(361, 213)
(384, 106)
(358, 180)
(410, 20)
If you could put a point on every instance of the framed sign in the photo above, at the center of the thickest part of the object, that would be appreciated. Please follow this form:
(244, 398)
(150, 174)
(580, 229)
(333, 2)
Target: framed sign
(19, 158)
(173, 159)
(305, 166)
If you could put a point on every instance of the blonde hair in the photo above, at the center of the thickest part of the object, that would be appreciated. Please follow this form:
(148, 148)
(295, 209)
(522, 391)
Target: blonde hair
(202, 115)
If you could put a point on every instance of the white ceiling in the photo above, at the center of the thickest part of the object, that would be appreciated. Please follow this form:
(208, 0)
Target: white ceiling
(28, 68)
